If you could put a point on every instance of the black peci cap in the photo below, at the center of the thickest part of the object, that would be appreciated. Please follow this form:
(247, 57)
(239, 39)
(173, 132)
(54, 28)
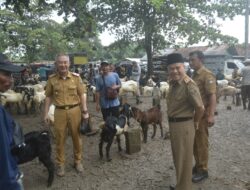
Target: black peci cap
(174, 58)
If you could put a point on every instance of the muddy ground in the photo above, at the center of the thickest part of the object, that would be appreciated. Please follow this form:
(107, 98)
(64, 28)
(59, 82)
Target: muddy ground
(152, 168)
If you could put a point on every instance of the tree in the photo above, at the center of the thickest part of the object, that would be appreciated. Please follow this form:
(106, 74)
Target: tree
(32, 33)
(158, 21)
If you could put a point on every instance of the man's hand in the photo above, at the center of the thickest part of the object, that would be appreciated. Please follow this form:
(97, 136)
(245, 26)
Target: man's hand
(85, 115)
(46, 119)
(210, 120)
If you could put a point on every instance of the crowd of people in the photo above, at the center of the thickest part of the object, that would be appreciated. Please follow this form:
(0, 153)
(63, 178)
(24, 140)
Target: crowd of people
(191, 106)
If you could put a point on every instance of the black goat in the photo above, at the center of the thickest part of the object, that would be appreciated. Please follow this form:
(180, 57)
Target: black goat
(126, 110)
(37, 144)
(113, 127)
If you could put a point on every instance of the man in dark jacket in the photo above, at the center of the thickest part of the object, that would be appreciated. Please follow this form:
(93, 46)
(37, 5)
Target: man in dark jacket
(10, 177)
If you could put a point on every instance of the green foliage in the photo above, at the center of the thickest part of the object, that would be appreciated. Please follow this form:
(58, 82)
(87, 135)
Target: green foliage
(163, 22)
(31, 35)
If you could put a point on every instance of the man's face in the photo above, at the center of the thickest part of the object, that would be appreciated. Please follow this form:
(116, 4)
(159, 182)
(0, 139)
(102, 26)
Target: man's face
(176, 71)
(62, 64)
(105, 69)
(6, 81)
(194, 62)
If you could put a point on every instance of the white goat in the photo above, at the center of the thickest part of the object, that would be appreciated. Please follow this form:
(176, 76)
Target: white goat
(228, 91)
(128, 86)
(147, 90)
(164, 88)
(222, 83)
(38, 99)
(12, 97)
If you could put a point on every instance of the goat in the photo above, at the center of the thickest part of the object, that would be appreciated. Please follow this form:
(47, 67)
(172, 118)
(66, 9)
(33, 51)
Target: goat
(128, 86)
(37, 144)
(126, 110)
(151, 116)
(147, 90)
(113, 127)
(164, 88)
(228, 91)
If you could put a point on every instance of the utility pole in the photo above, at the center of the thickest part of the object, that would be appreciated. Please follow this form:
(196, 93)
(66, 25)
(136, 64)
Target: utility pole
(246, 28)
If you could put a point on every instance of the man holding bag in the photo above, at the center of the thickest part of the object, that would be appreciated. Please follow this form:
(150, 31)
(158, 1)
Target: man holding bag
(104, 101)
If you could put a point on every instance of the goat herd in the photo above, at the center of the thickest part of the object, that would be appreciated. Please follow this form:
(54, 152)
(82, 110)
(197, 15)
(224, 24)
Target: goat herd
(29, 99)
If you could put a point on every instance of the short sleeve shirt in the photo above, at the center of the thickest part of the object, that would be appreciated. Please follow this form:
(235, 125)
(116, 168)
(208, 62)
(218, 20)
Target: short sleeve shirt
(206, 82)
(183, 98)
(65, 91)
(110, 80)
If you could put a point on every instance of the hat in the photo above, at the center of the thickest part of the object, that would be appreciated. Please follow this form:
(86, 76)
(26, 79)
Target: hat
(174, 58)
(6, 65)
(104, 63)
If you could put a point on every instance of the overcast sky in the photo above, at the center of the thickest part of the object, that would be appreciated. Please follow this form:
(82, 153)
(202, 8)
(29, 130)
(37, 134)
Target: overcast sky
(235, 28)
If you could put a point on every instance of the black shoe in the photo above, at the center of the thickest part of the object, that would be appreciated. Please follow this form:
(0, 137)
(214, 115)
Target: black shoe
(199, 176)
(172, 187)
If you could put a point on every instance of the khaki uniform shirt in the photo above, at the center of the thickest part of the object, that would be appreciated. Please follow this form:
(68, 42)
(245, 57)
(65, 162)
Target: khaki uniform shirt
(65, 91)
(206, 82)
(183, 97)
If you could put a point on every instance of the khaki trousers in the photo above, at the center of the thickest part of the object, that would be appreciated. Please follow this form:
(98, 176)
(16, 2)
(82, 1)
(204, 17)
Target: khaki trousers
(68, 122)
(201, 146)
(182, 140)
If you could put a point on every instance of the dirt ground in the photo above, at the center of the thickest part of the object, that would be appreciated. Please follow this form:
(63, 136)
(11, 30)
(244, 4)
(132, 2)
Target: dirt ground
(152, 168)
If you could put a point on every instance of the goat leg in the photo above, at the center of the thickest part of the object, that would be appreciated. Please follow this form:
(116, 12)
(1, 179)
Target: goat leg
(48, 163)
(119, 143)
(100, 148)
(161, 129)
(153, 135)
(108, 149)
(145, 131)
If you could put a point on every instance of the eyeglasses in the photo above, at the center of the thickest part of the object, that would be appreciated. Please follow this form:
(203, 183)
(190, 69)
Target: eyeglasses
(6, 74)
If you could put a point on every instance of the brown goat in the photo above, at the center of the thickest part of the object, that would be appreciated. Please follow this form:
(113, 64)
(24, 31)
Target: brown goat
(151, 116)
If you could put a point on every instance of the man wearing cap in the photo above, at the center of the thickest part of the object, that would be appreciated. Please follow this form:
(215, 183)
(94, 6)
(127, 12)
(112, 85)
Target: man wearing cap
(206, 82)
(10, 177)
(245, 88)
(185, 109)
(66, 91)
(105, 80)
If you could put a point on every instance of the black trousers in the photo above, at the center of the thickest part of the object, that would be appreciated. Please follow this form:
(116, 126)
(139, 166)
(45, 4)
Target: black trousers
(113, 111)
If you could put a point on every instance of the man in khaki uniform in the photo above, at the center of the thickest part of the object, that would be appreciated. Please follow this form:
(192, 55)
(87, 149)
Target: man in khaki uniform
(66, 91)
(185, 108)
(206, 82)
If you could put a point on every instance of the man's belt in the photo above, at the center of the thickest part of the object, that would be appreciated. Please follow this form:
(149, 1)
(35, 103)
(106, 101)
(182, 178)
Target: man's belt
(67, 107)
(179, 119)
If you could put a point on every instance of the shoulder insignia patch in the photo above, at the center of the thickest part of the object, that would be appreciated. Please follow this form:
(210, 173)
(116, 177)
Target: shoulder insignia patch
(75, 74)
(186, 79)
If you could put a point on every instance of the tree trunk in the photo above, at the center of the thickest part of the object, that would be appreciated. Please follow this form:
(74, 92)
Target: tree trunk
(148, 47)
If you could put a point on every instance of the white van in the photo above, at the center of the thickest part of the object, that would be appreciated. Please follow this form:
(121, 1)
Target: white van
(226, 66)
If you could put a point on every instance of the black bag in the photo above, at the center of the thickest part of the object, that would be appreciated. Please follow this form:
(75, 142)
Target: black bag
(111, 94)
(18, 138)
(84, 127)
